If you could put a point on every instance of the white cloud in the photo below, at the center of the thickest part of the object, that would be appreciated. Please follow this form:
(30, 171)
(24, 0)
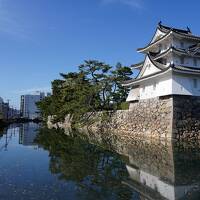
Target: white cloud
(138, 4)
(32, 90)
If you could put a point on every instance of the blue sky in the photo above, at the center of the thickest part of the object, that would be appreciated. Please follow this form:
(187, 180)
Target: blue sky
(41, 38)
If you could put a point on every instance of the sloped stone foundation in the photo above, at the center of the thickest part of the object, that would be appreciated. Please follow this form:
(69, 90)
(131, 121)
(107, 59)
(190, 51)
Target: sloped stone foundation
(169, 117)
(186, 117)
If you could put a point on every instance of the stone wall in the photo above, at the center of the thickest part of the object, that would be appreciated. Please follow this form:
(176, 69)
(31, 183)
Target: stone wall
(150, 118)
(169, 117)
(186, 117)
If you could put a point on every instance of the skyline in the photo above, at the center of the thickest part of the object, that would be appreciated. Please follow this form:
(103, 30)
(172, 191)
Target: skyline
(40, 39)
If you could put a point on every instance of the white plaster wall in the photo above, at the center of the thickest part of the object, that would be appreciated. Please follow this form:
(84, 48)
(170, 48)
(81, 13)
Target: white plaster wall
(188, 61)
(150, 69)
(133, 95)
(157, 35)
(168, 85)
(184, 85)
(163, 87)
(186, 43)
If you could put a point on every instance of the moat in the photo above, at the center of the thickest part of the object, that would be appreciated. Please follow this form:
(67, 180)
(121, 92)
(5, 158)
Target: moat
(39, 163)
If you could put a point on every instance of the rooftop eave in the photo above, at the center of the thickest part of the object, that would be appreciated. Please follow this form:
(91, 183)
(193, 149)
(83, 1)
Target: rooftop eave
(137, 66)
(150, 45)
(171, 32)
(139, 80)
(186, 70)
(177, 51)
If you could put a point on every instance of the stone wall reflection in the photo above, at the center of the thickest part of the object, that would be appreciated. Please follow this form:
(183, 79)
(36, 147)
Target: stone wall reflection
(158, 169)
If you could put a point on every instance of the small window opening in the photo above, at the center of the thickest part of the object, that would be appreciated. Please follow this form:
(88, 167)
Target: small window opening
(154, 86)
(182, 60)
(195, 62)
(182, 45)
(195, 83)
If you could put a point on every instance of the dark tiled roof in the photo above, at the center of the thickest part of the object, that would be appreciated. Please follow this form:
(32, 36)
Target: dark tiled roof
(187, 52)
(194, 46)
(186, 68)
(167, 28)
(137, 65)
(180, 68)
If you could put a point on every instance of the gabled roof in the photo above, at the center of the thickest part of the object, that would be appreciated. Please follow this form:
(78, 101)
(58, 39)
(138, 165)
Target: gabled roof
(173, 68)
(167, 32)
(132, 81)
(157, 65)
(154, 43)
(161, 68)
(167, 28)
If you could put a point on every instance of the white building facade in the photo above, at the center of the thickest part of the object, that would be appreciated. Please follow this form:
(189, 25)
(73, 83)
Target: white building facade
(1, 109)
(28, 107)
(171, 66)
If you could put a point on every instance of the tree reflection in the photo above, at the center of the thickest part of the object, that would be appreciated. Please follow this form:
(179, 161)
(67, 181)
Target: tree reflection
(95, 171)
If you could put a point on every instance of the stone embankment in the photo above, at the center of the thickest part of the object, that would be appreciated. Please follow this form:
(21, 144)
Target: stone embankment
(170, 117)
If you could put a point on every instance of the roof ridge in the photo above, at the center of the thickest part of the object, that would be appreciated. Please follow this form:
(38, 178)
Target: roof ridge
(187, 31)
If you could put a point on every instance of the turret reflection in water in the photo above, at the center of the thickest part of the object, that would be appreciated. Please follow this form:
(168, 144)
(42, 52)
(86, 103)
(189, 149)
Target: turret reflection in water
(159, 170)
(73, 166)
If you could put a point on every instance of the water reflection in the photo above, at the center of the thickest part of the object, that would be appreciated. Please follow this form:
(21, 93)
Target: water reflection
(96, 172)
(28, 133)
(164, 170)
(62, 167)
(48, 164)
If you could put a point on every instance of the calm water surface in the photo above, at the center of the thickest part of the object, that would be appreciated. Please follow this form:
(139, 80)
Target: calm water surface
(37, 163)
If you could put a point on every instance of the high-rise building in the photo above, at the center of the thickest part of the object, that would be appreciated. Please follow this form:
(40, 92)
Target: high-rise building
(1, 108)
(28, 107)
(48, 94)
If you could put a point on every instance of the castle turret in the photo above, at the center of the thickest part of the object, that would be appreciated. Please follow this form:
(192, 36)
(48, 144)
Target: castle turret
(171, 65)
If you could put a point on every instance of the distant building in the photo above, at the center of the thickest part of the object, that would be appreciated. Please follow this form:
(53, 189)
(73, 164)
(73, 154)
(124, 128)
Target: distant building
(48, 94)
(28, 108)
(1, 108)
(4, 109)
(7, 111)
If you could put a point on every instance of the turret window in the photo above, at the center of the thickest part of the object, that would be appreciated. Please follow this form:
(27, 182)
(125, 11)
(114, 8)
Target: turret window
(195, 62)
(160, 47)
(182, 45)
(195, 83)
(182, 60)
(164, 61)
(154, 86)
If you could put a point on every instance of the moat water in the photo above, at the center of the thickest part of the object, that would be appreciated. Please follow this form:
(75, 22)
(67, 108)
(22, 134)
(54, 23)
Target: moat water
(38, 163)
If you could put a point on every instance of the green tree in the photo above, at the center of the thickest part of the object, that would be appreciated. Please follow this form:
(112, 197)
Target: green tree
(95, 87)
